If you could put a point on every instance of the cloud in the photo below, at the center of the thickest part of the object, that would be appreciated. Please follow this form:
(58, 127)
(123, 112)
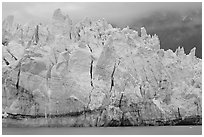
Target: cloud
(118, 12)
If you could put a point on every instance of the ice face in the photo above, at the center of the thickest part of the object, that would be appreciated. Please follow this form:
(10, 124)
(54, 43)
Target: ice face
(94, 70)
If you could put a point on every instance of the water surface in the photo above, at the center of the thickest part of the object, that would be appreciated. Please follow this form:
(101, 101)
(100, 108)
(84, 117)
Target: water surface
(153, 130)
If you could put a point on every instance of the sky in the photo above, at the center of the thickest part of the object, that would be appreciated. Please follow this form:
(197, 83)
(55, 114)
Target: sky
(114, 12)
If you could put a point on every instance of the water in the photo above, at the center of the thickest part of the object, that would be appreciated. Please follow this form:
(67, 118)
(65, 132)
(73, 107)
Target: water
(154, 130)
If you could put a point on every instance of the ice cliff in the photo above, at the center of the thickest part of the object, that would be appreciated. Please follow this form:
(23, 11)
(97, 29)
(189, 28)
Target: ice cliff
(92, 74)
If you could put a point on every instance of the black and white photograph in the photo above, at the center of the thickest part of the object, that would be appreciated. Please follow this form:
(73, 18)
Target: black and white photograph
(101, 68)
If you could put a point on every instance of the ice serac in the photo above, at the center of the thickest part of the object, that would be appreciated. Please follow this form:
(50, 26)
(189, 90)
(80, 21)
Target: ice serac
(6, 29)
(61, 24)
(91, 74)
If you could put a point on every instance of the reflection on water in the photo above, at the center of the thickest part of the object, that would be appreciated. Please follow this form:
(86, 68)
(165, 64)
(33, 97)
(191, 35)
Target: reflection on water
(159, 130)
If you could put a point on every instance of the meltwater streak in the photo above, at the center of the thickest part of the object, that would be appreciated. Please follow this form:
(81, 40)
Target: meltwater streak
(154, 130)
